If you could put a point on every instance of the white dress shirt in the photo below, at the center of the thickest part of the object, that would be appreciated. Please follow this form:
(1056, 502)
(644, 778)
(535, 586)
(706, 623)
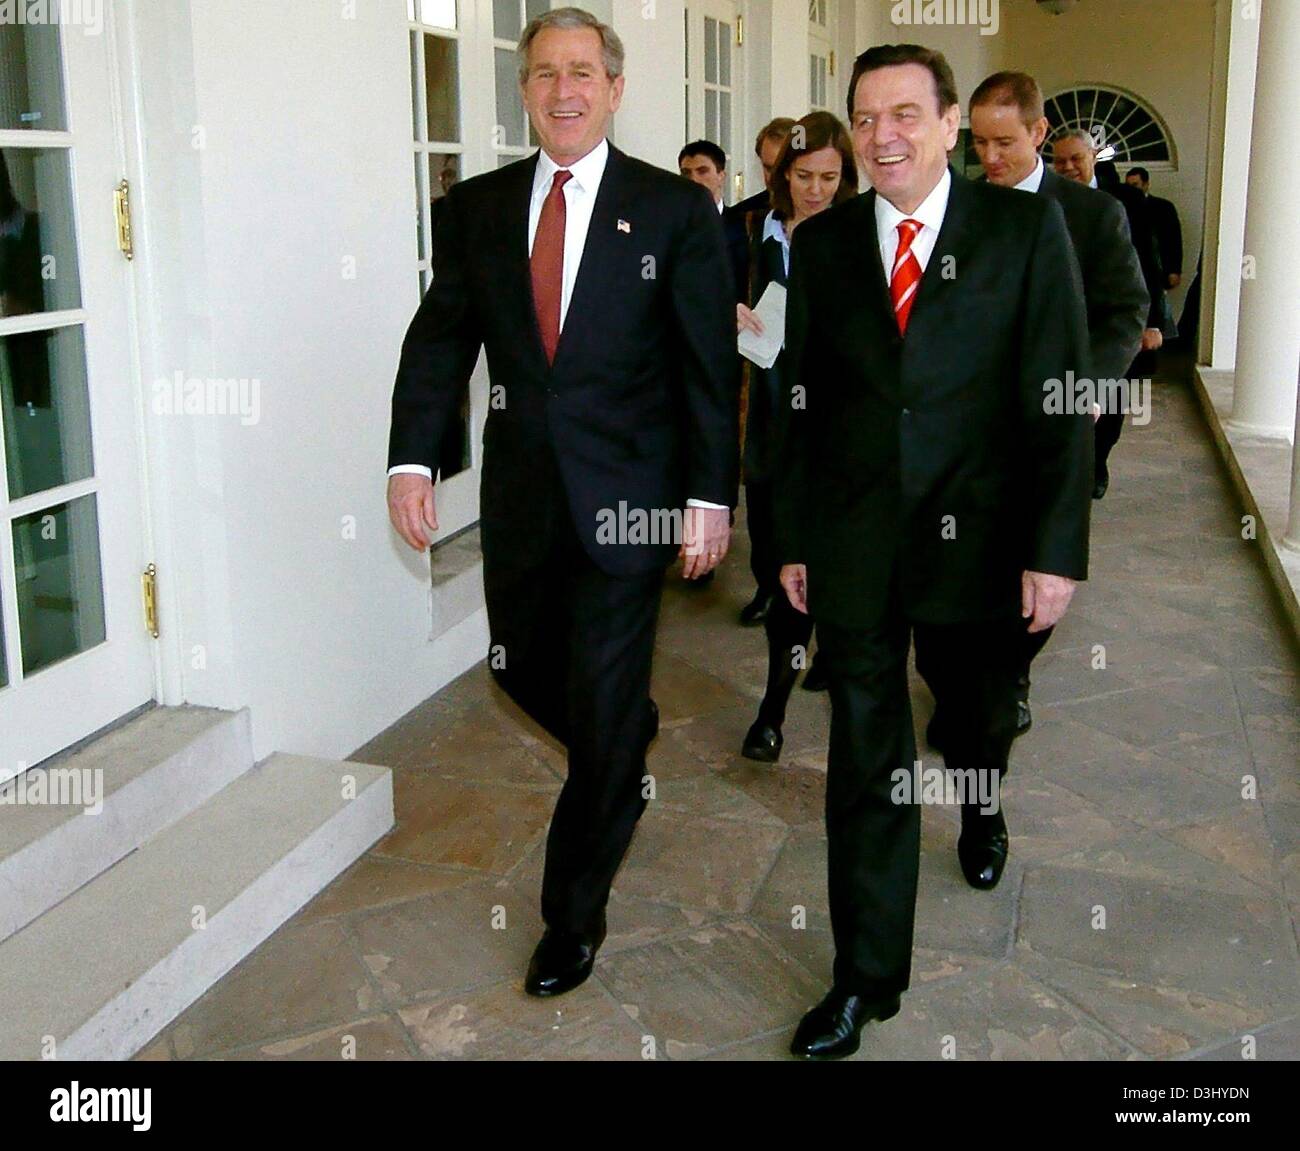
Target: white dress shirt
(773, 229)
(1034, 180)
(929, 214)
(579, 202)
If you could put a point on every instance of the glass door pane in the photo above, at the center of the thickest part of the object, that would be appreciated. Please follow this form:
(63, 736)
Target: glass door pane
(38, 246)
(31, 80)
(60, 595)
(46, 410)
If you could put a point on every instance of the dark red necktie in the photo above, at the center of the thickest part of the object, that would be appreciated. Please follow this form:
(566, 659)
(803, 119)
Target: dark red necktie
(906, 279)
(548, 264)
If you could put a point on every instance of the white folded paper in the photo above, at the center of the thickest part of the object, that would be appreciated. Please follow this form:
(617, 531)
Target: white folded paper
(763, 350)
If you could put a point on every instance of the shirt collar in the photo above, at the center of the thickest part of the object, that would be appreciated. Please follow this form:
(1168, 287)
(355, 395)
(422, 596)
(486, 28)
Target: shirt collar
(1034, 180)
(1093, 182)
(586, 172)
(773, 229)
(930, 212)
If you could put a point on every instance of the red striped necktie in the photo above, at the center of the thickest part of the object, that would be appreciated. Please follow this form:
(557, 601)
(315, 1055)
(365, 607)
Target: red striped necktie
(905, 281)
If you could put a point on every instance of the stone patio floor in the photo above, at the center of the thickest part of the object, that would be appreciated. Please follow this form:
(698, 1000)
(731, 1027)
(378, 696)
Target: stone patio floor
(1125, 800)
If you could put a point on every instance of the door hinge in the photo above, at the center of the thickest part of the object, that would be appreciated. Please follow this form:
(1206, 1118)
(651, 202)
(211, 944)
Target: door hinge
(740, 31)
(122, 208)
(149, 591)
(832, 62)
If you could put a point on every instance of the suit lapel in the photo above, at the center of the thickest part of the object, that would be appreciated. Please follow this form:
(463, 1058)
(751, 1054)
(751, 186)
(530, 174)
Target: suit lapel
(519, 285)
(592, 286)
(867, 234)
(950, 249)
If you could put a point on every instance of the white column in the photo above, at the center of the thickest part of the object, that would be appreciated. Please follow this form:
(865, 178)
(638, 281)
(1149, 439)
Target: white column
(1268, 338)
(1292, 537)
(1227, 177)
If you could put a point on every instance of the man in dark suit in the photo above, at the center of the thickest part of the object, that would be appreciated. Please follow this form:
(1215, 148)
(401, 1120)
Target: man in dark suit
(1074, 156)
(925, 492)
(591, 280)
(743, 224)
(1008, 127)
(1168, 228)
(744, 221)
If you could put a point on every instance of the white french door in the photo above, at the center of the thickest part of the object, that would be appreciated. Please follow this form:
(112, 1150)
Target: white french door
(74, 650)
(713, 84)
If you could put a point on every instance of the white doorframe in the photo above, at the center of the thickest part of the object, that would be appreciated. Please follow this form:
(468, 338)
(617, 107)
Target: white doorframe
(62, 703)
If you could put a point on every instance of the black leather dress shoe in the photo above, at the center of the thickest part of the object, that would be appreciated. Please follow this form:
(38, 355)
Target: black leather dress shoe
(833, 1028)
(755, 612)
(763, 743)
(562, 961)
(982, 856)
(1100, 486)
(815, 679)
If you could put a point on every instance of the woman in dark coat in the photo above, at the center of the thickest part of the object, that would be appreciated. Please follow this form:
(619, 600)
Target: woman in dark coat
(816, 169)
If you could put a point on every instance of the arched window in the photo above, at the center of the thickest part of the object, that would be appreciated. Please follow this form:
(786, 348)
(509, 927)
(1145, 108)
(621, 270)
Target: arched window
(1125, 129)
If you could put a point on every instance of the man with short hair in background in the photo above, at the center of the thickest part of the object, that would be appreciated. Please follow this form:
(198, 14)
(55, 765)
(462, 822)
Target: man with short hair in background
(1008, 127)
(1074, 156)
(1168, 228)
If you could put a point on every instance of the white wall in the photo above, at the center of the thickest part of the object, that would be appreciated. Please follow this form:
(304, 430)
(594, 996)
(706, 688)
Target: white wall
(306, 161)
(649, 124)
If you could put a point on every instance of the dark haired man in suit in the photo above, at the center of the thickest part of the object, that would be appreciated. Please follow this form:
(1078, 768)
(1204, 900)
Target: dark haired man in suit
(592, 281)
(926, 493)
(1164, 220)
(1008, 127)
(1074, 156)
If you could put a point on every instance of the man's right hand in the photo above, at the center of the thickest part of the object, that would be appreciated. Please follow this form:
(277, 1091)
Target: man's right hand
(794, 578)
(411, 510)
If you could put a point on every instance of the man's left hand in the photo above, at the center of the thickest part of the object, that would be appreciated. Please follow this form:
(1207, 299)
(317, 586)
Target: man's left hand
(1044, 598)
(706, 537)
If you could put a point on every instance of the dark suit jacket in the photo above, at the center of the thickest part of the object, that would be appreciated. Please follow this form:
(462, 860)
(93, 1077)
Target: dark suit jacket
(1169, 234)
(640, 404)
(1144, 240)
(765, 390)
(887, 437)
(740, 222)
(1114, 288)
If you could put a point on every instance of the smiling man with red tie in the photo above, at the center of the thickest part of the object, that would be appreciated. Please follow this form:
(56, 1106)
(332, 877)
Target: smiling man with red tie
(591, 281)
(926, 494)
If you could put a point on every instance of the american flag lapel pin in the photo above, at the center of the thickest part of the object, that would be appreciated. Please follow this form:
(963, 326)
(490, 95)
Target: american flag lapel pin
(624, 226)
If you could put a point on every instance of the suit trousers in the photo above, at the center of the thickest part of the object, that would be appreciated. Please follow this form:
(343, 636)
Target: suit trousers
(762, 536)
(873, 827)
(572, 646)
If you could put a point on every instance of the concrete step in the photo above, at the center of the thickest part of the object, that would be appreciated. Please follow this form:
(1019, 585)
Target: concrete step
(99, 975)
(146, 774)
